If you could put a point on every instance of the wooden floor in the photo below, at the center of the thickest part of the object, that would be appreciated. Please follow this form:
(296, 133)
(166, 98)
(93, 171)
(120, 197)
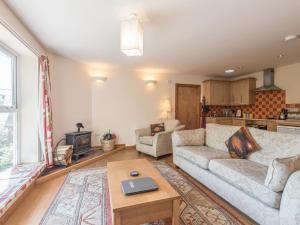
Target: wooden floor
(36, 203)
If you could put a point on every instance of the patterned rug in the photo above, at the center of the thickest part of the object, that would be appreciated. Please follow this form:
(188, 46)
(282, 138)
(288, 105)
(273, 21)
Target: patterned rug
(84, 200)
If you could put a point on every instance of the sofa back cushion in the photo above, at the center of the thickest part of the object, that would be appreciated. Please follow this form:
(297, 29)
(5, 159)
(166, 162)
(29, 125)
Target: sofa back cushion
(170, 125)
(189, 137)
(274, 145)
(279, 172)
(216, 135)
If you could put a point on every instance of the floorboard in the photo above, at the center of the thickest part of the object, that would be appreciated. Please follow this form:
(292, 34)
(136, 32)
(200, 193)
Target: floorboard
(36, 203)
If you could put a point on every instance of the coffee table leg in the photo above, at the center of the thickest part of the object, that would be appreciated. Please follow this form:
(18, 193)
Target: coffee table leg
(117, 218)
(176, 212)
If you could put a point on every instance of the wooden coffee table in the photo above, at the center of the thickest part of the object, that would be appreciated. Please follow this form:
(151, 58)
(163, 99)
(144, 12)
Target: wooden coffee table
(144, 207)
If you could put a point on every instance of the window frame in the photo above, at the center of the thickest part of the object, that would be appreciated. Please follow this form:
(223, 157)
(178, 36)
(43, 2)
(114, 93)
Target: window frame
(14, 108)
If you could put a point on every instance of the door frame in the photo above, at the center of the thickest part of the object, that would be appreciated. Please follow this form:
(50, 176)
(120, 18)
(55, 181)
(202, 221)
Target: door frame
(198, 86)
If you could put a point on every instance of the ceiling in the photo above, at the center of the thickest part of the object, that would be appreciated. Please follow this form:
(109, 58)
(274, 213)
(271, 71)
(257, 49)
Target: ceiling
(201, 37)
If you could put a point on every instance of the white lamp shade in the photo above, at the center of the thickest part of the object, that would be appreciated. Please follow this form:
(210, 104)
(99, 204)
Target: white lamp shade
(132, 37)
(167, 106)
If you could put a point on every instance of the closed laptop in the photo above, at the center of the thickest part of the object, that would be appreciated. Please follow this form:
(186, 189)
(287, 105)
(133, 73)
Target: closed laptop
(139, 185)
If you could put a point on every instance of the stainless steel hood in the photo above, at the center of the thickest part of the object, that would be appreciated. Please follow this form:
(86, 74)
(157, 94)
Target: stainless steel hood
(268, 84)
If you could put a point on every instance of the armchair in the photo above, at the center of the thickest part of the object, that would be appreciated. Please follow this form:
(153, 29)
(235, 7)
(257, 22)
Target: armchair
(161, 143)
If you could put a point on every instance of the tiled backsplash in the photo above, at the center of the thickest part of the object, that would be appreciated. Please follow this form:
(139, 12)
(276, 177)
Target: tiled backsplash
(267, 105)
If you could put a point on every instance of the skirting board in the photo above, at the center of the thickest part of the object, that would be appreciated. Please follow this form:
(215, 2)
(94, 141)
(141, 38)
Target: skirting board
(64, 171)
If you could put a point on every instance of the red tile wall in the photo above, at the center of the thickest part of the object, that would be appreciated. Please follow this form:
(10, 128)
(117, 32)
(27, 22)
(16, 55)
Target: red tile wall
(267, 105)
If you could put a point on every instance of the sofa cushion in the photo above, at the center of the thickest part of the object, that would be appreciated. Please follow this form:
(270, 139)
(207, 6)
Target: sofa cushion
(274, 145)
(200, 155)
(216, 135)
(170, 125)
(189, 137)
(241, 143)
(146, 140)
(279, 172)
(247, 176)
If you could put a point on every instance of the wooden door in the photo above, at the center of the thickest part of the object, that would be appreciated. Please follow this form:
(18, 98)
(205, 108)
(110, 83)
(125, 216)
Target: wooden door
(187, 105)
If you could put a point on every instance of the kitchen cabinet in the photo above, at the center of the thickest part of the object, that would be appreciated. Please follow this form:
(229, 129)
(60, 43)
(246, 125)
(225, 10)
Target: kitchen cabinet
(216, 92)
(242, 92)
(272, 125)
(239, 122)
(238, 92)
(221, 120)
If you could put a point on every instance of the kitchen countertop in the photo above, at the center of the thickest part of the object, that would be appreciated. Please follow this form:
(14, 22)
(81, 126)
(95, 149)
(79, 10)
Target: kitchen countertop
(239, 118)
(279, 122)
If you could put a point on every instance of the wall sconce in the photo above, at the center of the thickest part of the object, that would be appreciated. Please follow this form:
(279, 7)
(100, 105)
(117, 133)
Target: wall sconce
(100, 79)
(150, 82)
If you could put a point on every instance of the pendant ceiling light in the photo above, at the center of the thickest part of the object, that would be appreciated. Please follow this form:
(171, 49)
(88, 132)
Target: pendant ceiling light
(132, 36)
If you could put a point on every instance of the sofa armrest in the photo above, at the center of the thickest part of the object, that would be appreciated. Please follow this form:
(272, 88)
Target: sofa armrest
(162, 139)
(180, 127)
(143, 132)
(290, 201)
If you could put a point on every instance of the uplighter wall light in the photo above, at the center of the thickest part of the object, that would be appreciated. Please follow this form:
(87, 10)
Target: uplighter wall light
(100, 79)
(132, 36)
(150, 82)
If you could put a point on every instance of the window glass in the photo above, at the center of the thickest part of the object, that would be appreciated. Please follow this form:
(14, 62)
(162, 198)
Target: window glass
(6, 80)
(8, 109)
(7, 139)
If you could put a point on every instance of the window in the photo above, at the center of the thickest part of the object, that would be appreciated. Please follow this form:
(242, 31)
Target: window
(8, 109)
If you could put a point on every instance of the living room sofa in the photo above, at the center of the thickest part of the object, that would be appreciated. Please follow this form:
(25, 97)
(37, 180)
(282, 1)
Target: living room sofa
(242, 181)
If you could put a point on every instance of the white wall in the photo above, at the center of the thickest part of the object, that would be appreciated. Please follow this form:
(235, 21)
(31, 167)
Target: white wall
(124, 102)
(287, 78)
(71, 95)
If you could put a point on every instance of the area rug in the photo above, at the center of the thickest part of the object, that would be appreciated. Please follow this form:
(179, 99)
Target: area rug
(84, 200)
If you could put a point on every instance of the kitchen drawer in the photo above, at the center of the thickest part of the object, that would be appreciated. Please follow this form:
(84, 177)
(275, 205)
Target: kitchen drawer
(237, 122)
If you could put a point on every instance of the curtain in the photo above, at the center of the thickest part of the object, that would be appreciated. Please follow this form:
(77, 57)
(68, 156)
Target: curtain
(45, 112)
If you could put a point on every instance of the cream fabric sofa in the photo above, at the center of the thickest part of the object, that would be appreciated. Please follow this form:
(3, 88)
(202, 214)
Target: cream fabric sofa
(242, 181)
(160, 144)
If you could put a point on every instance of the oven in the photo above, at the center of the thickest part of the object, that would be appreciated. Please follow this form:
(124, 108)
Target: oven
(259, 124)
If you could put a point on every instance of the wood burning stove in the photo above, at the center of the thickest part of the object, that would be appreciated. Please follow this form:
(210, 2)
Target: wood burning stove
(81, 142)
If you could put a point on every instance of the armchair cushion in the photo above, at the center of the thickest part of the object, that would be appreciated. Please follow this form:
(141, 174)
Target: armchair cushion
(146, 140)
(279, 172)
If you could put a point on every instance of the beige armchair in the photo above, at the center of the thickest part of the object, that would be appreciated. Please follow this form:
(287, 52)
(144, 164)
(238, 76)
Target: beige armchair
(161, 143)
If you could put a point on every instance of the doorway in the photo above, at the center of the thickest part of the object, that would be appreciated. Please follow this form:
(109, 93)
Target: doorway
(187, 105)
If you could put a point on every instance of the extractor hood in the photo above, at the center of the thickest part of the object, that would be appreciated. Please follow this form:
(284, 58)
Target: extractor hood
(268, 84)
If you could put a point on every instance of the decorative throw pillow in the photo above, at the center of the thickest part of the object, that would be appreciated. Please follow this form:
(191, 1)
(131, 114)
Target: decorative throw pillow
(279, 172)
(156, 128)
(241, 143)
(189, 137)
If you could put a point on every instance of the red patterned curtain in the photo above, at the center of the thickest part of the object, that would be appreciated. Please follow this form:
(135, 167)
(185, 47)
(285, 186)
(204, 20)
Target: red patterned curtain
(45, 106)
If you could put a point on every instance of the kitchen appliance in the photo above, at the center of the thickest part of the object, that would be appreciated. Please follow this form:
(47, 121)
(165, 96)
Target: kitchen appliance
(268, 84)
(284, 114)
(238, 113)
(259, 124)
(293, 114)
(291, 125)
